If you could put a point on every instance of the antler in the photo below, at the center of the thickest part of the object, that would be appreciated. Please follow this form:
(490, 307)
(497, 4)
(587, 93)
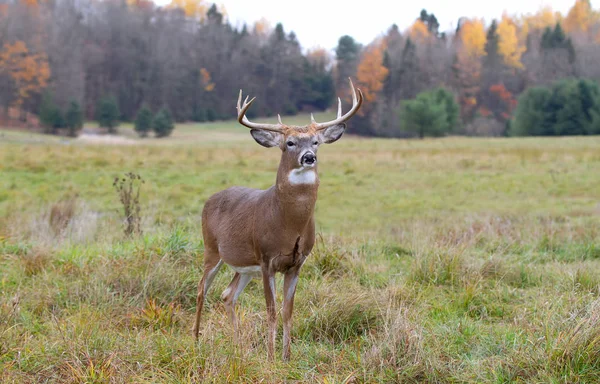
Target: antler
(242, 119)
(356, 103)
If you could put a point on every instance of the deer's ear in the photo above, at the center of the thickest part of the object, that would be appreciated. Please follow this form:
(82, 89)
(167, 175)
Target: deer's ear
(333, 133)
(267, 138)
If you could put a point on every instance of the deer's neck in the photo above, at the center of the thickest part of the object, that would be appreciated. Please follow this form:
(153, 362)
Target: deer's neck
(296, 194)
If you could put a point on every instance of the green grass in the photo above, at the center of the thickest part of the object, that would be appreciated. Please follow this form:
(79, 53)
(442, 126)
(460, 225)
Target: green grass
(447, 260)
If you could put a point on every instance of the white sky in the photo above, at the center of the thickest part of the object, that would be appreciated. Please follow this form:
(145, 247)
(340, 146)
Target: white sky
(321, 22)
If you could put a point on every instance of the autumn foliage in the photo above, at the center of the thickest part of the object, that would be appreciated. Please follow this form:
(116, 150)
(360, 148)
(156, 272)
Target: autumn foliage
(29, 71)
(371, 73)
(187, 57)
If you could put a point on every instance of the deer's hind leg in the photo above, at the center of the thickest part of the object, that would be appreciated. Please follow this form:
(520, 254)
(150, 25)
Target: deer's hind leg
(212, 264)
(230, 297)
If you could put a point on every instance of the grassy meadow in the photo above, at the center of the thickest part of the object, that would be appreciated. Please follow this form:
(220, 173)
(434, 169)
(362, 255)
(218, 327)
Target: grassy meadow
(455, 260)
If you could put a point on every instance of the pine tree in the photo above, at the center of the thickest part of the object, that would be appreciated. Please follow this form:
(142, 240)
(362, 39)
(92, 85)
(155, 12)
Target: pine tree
(143, 121)
(50, 114)
(107, 113)
(74, 118)
(163, 123)
(431, 113)
(409, 71)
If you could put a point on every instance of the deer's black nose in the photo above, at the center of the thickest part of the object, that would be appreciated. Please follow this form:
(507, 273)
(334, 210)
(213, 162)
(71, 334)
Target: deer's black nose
(309, 158)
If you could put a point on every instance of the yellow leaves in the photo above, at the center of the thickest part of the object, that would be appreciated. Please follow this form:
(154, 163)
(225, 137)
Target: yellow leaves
(472, 37)
(192, 8)
(580, 17)
(205, 80)
(29, 71)
(419, 32)
(544, 17)
(509, 46)
(370, 72)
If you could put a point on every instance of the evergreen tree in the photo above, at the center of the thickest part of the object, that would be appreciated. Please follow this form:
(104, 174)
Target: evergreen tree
(50, 114)
(492, 58)
(431, 113)
(409, 71)
(446, 98)
(530, 115)
(163, 123)
(143, 121)
(107, 113)
(570, 107)
(74, 118)
(347, 55)
(433, 26)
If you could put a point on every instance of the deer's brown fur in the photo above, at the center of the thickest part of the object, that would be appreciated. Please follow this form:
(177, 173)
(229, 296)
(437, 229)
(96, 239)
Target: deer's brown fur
(261, 232)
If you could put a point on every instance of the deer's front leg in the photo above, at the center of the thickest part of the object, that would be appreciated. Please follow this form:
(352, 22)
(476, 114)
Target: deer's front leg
(289, 291)
(269, 287)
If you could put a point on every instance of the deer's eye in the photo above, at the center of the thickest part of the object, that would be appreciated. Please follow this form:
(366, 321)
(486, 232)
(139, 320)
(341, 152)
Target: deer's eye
(290, 144)
(315, 142)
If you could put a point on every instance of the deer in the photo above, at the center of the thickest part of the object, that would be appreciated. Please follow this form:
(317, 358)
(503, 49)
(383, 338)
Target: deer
(262, 232)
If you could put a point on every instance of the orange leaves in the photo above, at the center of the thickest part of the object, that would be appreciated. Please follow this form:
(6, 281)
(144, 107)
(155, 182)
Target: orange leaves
(262, 27)
(205, 79)
(370, 72)
(580, 18)
(28, 71)
(509, 46)
(472, 37)
(505, 101)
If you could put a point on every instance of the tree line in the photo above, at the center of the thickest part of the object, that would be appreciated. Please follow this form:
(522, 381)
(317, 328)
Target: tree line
(488, 68)
(184, 58)
(62, 58)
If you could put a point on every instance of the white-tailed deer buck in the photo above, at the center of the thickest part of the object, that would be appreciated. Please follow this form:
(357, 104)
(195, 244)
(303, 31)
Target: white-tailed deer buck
(258, 233)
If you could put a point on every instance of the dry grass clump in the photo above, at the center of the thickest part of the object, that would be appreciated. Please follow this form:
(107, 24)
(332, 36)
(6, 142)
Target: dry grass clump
(336, 313)
(396, 349)
(35, 261)
(576, 353)
(61, 213)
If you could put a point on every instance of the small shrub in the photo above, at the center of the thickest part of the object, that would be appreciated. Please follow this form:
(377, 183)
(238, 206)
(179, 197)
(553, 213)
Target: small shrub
(128, 189)
(50, 115)
(107, 113)
(74, 119)
(211, 114)
(199, 115)
(163, 123)
(143, 121)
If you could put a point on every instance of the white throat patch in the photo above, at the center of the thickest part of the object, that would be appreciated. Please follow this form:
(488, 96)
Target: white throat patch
(302, 176)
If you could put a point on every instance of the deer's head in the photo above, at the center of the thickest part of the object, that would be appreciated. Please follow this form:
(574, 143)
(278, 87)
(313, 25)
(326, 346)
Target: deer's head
(299, 144)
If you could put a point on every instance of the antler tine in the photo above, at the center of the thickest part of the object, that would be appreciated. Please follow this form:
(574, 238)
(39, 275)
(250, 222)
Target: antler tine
(357, 100)
(312, 119)
(242, 119)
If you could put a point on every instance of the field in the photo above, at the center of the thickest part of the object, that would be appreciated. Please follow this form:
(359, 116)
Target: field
(449, 260)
